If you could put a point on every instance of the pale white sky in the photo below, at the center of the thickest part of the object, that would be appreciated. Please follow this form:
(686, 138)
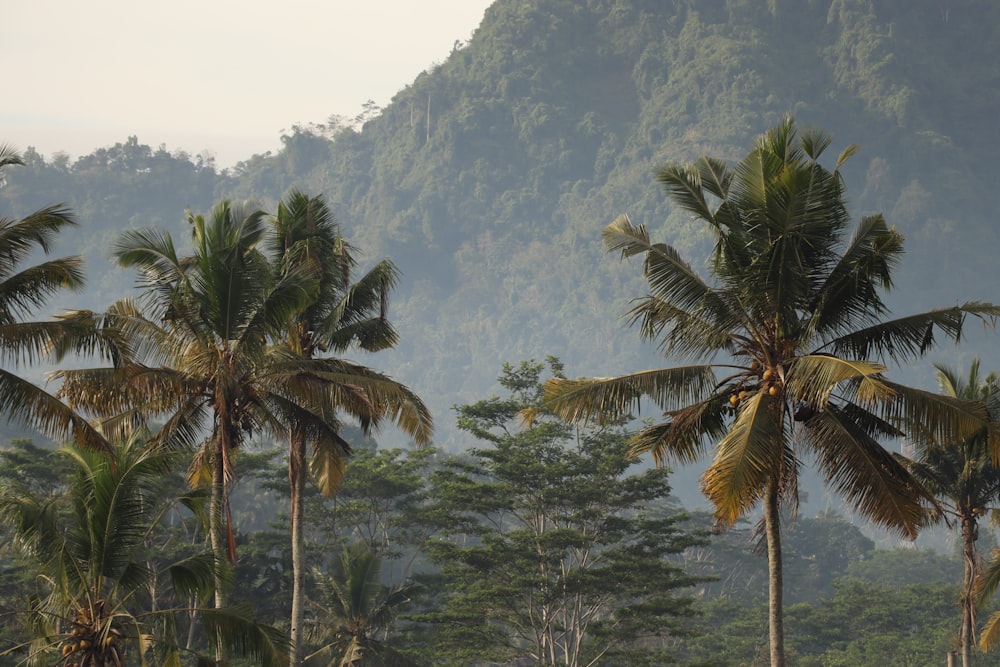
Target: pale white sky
(223, 75)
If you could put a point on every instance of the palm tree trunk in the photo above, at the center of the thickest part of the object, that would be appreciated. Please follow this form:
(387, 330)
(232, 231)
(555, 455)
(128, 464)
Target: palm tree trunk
(215, 529)
(215, 522)
(772, 528)
(967, 636)
(297, 484)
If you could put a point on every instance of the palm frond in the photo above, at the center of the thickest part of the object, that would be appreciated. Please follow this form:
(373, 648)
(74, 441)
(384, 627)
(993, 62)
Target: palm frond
(905, 339)
(751, 452)
(359, 315)
(387, 398)
(679, 332)
(990, 633)
(153, 254)
(877, 485)
(32, 406)
(196, 575)
(940, 418)
(812, 378)
(24, 292)
(35, 231)
(608, 400)
(989, 577)
(328, 464)
(685, 187)
(850, 297)
(244, 637)
(670, 278)
(684, 436)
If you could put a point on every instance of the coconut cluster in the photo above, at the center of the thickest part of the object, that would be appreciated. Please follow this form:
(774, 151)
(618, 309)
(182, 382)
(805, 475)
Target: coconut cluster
(760, 378)
(93, 642)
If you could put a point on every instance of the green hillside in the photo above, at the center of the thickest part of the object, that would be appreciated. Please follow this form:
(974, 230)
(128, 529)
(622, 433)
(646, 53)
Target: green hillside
(489, 178)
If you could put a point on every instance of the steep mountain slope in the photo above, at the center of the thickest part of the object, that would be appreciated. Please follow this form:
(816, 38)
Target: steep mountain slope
(490, 177)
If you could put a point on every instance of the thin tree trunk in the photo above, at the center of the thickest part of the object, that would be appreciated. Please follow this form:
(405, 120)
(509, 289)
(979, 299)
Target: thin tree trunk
(215, 529)
(772, 528)
(297, 484)
(967, 636)
(215, 522)
(192, 623)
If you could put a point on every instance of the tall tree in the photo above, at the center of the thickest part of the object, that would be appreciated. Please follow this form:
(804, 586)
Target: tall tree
(102, 592)
(962, 476)
(343, 315)
(22, 291)
(197, 354)
(553, 548)
(797, 314)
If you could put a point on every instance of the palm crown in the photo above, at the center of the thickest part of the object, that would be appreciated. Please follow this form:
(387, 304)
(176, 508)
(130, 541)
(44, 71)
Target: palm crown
(797, 314)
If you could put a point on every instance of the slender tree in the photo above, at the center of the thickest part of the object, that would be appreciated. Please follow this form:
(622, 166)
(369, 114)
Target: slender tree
(343, 315)
(961, 475)
(797, 319)
(196, 355)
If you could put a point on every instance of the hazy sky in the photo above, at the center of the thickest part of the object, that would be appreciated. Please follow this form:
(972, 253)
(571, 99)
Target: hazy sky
(223, 75)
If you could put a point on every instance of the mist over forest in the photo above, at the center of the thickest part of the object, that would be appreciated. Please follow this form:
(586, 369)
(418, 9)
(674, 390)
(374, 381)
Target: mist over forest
(489, 178)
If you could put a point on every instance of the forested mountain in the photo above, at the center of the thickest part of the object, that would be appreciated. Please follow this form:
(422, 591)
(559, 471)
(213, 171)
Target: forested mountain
(489, 178)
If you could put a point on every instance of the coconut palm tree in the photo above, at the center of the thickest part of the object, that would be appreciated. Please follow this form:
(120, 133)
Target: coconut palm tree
(344, 315)
(103, 600)
(22, 291)
(354, 609)
(788, 344)
(193, 351)
(963, 478)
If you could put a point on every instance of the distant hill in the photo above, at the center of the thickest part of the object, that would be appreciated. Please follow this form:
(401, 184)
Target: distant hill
(489, 178)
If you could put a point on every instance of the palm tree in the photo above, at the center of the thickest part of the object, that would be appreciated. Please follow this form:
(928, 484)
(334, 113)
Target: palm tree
(356, 607)
(22, 291)
(962, 477)
(101, 598)
(796, 314)
(343, 315)
(197, 354)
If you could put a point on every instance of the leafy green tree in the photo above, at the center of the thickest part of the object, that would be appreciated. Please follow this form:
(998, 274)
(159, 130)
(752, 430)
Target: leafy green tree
(343, 315)
(798, 316)
(961, 475)
(102, 596)
(553, 549)
(23, 289)
(353, 610)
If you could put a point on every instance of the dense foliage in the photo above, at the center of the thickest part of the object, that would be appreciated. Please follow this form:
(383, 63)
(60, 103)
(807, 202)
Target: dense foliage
(552, 548)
